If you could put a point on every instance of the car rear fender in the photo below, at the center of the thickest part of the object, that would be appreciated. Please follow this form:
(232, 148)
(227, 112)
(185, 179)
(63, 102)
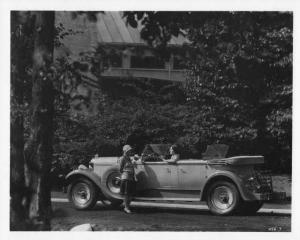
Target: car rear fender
(84, 173)
(223, 176)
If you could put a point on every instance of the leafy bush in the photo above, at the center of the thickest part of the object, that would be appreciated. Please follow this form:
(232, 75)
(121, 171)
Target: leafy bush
(138, 121)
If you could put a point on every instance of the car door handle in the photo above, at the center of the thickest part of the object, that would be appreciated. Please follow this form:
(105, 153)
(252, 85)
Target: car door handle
(168, 170)
(181, 170)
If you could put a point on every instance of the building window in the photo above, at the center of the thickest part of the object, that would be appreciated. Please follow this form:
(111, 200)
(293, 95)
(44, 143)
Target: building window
(114, 59)
(147, 62)
(179, 63)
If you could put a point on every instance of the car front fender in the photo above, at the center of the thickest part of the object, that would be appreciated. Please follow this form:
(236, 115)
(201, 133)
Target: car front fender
(85, 173)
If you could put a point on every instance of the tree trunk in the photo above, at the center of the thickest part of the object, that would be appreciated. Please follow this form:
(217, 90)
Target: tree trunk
(17, 179)
(17, 186)
(38, 149)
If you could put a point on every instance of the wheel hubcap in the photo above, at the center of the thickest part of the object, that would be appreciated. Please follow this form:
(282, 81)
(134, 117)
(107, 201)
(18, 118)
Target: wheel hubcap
(81, 193)
(222, 197)
(114, 182)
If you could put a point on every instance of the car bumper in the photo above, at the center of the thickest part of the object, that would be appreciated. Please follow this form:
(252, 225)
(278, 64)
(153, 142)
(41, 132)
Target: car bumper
(263, 196)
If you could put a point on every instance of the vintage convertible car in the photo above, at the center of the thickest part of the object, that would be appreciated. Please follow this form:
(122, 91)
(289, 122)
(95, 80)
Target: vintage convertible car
(228, 185)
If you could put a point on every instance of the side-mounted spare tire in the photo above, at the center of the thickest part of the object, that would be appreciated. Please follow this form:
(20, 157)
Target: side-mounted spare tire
(223, 198)
(83, 193)
(110, 185)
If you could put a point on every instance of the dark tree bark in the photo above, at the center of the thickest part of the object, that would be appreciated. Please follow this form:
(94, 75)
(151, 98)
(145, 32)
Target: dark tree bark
(17, 186)
(38, 149)
(17, 179)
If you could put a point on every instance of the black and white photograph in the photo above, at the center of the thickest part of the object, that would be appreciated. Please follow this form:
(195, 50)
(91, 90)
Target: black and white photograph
(150, 120)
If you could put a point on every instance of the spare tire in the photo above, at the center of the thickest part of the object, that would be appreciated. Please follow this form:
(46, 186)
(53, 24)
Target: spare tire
(110, 184)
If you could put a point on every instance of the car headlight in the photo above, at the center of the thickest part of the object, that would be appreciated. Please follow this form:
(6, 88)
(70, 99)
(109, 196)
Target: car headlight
(91, 164)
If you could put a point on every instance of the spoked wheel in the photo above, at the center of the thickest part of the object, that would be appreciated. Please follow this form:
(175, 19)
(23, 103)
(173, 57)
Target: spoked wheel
(223, 198)
(83, 194)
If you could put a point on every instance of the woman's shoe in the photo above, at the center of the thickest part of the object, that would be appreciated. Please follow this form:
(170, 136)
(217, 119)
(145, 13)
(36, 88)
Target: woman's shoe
(127, 210)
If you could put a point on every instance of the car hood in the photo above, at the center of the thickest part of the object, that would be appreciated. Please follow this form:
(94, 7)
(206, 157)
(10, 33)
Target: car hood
(105, 160)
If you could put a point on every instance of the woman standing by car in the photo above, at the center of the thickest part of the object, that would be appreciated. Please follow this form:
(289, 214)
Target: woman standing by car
(127, 177)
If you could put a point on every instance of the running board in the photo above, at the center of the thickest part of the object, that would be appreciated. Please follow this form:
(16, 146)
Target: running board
(167, 199)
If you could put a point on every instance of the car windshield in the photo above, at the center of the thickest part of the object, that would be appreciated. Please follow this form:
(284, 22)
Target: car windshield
(155, 152)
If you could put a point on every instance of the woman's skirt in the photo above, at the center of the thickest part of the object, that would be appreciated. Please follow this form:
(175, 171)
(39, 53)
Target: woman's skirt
(127, 187)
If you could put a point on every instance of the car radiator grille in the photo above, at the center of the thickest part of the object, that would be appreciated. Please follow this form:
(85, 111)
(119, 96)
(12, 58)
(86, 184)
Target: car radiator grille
(264, 179)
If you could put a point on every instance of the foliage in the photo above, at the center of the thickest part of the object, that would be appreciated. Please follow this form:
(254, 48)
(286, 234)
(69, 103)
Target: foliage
(238, 91)
(126, 117)
(239, 74)
(134, 119)
(33, 73)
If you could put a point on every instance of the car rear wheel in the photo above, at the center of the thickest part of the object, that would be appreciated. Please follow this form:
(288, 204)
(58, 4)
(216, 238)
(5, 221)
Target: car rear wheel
(223, 198)
(82, 193)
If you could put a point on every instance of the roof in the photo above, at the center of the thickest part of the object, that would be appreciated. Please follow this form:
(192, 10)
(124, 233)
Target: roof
(112, 29)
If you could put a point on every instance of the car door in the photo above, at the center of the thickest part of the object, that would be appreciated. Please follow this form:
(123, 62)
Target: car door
(156, 175)
(191, 174)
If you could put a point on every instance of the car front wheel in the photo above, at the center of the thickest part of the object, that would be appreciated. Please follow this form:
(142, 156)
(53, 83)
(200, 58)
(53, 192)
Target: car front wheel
(82, 193)
(223, 198)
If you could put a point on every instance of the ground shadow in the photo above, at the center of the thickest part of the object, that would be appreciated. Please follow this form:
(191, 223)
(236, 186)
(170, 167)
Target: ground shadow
(61, 212)
(149, 210)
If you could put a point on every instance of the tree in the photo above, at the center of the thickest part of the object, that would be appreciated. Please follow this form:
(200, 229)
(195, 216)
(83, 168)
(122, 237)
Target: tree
(21, 47)
(38, 149)
(239, 74)
(35, 166)
(36, 82)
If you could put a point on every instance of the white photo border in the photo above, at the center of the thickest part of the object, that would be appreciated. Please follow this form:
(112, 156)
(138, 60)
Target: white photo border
(117, 5)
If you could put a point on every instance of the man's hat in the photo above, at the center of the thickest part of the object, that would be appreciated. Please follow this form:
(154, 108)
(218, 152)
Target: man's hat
(127, 148)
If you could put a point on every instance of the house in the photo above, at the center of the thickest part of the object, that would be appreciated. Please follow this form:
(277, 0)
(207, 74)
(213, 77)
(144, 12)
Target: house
(136, 58)
(132, 56)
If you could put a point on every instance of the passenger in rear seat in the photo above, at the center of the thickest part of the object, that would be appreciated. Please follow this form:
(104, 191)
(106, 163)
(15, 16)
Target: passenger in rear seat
(174, 151)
